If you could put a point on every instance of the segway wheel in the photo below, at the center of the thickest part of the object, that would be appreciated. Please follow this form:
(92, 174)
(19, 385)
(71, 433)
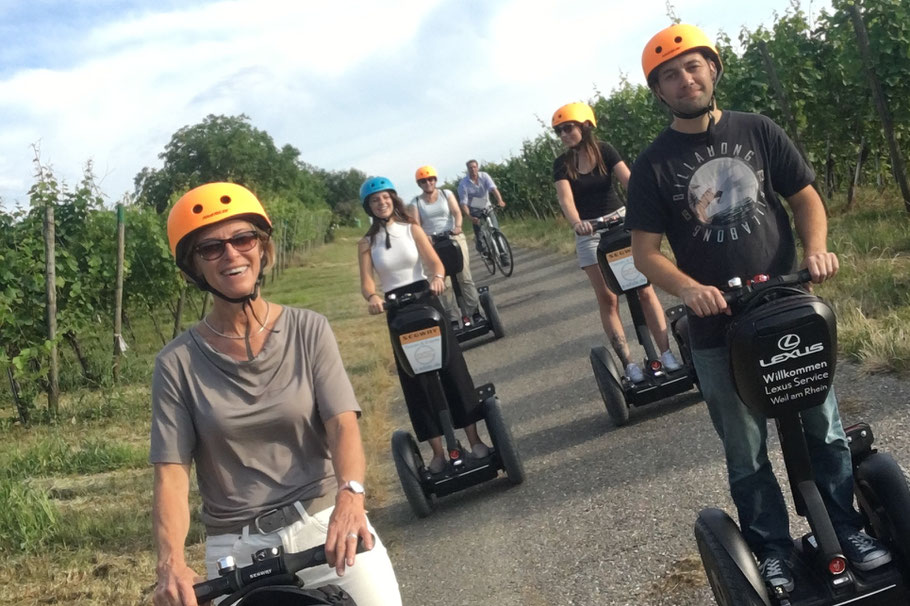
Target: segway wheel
(492, 314)
(606, 375)
(716, 536)
(408, 463)
(504, 260)
(884, 500)
(503, 441)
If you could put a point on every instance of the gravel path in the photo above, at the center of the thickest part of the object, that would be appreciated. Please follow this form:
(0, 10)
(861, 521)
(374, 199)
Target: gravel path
(605, 515)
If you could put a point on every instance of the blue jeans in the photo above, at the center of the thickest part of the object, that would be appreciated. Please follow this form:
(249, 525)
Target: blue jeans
(753, 486)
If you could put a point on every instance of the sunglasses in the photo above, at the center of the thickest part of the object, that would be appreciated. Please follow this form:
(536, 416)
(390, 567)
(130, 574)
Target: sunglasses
(560, 129)
(213, 249)
(427, 180)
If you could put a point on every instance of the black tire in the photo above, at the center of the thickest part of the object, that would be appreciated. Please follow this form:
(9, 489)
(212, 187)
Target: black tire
(502, 439)
(884, 499)
(728, 583)
(486, 253)
(408, 463)
(504, 259)
(492, 314)
(610, 388)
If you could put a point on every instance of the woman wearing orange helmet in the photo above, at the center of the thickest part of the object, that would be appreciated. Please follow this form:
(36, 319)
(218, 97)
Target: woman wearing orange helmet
(584, 186)
(257, 397)
(437, 211)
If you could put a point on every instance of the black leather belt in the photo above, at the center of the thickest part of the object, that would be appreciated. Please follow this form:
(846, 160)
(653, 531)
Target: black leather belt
(275, 519)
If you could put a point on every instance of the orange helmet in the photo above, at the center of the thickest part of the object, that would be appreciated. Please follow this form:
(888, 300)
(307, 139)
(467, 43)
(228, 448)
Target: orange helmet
(209, 204)
(425, 172)
(574, 112)
(674, 41)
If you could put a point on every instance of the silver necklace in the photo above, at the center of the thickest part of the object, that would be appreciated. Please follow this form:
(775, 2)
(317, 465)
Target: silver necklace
(263, 324)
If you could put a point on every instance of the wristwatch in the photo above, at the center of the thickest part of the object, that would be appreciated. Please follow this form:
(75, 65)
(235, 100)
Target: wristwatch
(352, 485)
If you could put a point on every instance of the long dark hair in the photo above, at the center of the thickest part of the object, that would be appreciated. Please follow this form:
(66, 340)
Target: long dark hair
(398, 214)
(590, 144)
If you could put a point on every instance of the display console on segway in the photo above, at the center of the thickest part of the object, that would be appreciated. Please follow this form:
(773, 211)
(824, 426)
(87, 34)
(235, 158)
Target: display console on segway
(419, 336)
(450, 254)
(614, 256)
(271, 580)
(783, 352)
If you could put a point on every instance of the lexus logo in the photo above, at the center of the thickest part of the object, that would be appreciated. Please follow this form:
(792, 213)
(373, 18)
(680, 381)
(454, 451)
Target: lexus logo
(788, 342)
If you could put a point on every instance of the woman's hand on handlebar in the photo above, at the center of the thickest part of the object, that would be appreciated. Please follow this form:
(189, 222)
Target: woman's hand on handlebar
(821, 266)
(175, 586)
(437, 285)
(375, 305)
(705, 300)
(583, 228)
(457, 230)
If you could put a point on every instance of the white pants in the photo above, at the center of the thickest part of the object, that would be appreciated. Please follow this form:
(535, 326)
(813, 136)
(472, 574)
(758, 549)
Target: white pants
(370, 581)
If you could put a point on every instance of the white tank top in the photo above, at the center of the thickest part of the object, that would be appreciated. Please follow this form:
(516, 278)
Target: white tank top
(436, 217)
(399, 265)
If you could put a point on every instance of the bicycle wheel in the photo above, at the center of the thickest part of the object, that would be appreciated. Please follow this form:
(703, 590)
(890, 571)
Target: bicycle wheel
(503, 254)
(486, 251)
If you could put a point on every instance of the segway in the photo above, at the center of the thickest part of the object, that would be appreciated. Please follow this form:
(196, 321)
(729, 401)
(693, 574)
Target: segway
(614, 256)
(271, 580)
(783, 352)
(419, 335)
(450, 254)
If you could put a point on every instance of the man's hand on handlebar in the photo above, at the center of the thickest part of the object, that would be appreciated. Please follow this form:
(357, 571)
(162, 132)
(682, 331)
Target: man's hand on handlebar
(705, 300)
(821, 266)
(175, 586)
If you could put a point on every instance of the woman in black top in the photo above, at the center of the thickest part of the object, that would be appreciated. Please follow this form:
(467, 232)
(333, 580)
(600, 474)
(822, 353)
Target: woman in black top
(584, 185)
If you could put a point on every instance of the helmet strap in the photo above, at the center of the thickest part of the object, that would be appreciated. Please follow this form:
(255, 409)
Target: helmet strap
(202, 284)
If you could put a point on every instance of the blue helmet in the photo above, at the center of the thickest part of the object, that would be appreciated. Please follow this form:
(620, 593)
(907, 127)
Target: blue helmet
(371, 186)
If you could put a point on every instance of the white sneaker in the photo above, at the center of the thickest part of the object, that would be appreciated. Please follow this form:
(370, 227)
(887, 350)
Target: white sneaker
(669, 361)
(633, 371)
(480, 450)
(437, 464)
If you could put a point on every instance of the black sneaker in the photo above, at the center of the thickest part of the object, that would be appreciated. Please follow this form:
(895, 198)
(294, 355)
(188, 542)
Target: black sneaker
(864, 552)
(455, 325)
(477, 319)
(776, 573)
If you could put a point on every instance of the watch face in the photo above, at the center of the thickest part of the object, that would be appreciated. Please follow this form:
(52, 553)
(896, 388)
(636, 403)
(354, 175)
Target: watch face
(354, 486)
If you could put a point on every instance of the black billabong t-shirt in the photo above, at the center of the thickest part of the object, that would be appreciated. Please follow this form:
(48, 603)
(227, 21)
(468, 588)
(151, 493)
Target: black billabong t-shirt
(593, 193)
(718, 203)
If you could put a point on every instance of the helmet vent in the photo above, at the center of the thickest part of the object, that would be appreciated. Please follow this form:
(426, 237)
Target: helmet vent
(677, 39)
(659, 50)
(225, 199)
(197, 209)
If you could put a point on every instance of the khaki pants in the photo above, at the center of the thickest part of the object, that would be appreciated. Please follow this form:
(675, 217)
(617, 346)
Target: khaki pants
(467, 303)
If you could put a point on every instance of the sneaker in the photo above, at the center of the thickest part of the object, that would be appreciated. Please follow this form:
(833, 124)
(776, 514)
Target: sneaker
(776, 573)
(480, 450)
(455, 325)
(466, 321)
(864, 552)
(669, 361)
(477, 318)
(633, 371)
(437, 464)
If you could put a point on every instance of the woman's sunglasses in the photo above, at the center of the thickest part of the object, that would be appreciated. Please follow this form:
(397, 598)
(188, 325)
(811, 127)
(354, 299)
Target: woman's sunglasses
(564, 128)
(213, 249)
(426, 180)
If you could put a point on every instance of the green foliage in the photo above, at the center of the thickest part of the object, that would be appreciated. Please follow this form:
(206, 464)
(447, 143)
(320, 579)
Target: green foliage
(28, 520)
(228, 148)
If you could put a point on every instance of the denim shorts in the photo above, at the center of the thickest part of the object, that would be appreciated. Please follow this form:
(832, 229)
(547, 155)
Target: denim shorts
(586, 249)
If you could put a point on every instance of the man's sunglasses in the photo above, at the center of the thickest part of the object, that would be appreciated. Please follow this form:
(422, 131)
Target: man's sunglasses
(564, 128)
(427, 180)
(213, 249)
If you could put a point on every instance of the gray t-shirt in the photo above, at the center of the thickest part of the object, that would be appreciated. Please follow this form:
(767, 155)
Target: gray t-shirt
(255, 429)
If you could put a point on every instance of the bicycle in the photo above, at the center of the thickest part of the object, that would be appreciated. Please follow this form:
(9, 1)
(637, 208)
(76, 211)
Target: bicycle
(494, 247)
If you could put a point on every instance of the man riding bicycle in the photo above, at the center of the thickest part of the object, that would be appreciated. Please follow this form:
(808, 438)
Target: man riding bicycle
(474, 195)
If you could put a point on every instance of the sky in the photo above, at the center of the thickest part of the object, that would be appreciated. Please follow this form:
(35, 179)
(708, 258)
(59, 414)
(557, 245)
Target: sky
(381, 86)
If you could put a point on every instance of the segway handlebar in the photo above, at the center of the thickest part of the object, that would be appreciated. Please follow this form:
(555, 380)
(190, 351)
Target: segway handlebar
(617, 217)
(271, 566)
(438, 236)
(397, 302)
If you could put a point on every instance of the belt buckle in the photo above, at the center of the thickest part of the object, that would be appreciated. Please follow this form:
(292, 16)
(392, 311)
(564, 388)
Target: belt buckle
(262, 517)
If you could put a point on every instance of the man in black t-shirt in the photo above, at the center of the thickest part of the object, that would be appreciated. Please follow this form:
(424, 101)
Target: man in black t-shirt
(710, 182)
